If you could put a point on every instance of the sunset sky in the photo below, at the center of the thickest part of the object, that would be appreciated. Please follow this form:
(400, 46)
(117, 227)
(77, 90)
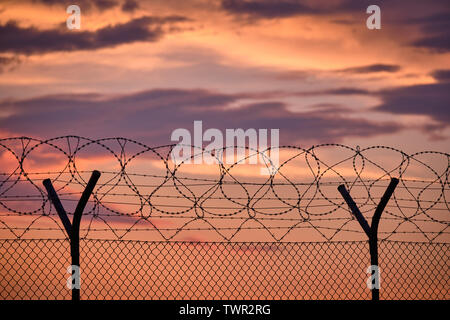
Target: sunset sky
(140, 69)
(312, 69)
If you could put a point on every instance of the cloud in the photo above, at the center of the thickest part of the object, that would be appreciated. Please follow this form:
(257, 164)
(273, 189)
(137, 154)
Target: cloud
(268, 9)
(435, 27)
(431, 100)
(8, 62)
(442, 75)
(84, 5)
(130, 6)
(439, 43)
(34, 41)
(343, 91)
(372, 68)
(88, 5)
(152, 115)
(311, 74)
(437, 22)
(347, 91)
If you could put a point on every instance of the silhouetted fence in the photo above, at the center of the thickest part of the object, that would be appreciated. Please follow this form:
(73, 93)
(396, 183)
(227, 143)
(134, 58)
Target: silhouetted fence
(123, 269)
(157, 230)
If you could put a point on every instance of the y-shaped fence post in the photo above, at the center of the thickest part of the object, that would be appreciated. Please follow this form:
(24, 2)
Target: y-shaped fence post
(371, 231)
(73, 229)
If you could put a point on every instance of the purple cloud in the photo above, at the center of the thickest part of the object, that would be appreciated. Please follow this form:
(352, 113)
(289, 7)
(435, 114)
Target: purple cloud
(427, 99)
(439, 43)
(130, 6)
(83, 4)
(8, 63)
(32, 40)
(267, 9)
(378, 67)
(152, 115)
(442, 75)
(435, 38)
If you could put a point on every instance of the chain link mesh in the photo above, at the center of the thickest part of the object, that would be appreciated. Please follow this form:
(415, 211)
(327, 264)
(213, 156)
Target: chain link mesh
(119, 269)
(186, 230)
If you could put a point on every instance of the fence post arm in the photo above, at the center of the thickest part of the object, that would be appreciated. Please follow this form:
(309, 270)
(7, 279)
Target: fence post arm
(382, 205)
(58, 206)
(83, 201)
(352, 205)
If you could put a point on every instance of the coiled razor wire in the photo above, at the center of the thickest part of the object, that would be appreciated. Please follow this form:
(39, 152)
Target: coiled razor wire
(142, 185)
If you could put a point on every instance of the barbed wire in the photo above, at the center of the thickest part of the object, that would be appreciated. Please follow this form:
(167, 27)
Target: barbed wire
(143, 188)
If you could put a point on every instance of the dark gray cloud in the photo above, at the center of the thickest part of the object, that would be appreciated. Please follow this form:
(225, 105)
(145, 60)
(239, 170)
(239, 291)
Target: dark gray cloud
(130, 6)
(152, 115)
(378, 67)
(31, 40)
(439, 43)
(442, 75)
(85, 5)
(395, 11)
(428, 99)
(372, 68)
(269, 9)
(8, 62)
(88, 5)
(434, 23)
(344, 91)
(347, 91)
(435, 32)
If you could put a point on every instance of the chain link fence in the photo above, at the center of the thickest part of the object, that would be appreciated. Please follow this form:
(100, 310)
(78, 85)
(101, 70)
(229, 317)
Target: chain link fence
(121, 269)
(225, 231)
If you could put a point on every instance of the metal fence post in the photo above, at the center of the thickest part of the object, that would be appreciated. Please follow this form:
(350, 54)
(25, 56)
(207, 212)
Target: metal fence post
(371, 231)
(73, 229)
